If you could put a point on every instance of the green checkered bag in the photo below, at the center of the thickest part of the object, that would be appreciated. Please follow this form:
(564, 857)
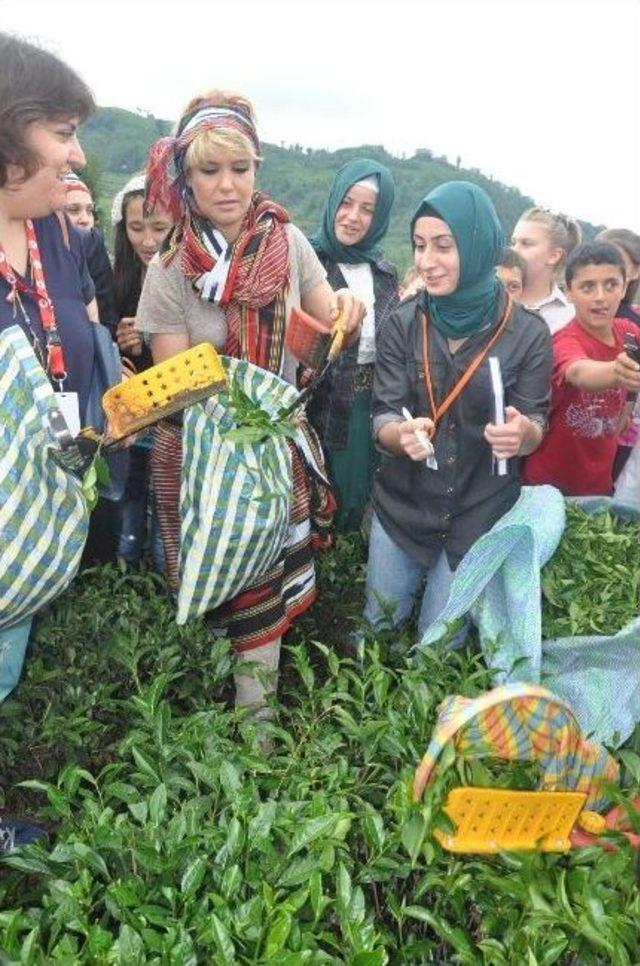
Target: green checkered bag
(235, 497)
(43, 513)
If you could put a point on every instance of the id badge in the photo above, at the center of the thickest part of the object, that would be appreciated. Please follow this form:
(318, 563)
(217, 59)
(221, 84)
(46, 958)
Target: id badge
(70, 409)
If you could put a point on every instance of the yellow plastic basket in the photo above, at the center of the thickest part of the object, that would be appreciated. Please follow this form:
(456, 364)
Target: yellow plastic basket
(162, 390)
(496, 820)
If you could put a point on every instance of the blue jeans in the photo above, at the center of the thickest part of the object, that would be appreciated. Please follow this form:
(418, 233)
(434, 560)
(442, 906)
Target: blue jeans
(138, 524)
(394, 579)
(13, 644)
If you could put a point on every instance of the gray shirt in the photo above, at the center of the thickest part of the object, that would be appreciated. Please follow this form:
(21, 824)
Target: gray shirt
(426, 511)
(170, 304)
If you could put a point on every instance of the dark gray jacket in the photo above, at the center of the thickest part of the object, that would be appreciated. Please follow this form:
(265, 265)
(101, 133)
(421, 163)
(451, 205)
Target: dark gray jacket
(425, 511)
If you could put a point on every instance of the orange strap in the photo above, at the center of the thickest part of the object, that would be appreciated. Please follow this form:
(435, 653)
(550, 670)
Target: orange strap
(438, 411)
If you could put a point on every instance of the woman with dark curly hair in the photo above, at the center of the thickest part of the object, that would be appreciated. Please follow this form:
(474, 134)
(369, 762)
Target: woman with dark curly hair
(44, 283)
(45, 287)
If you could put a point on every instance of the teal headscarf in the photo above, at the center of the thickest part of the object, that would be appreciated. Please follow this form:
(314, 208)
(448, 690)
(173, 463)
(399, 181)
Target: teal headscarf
(474, 224)
(367, 249)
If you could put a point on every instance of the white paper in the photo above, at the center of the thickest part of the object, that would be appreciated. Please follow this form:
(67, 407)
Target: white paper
(501, 468)
(70, 409)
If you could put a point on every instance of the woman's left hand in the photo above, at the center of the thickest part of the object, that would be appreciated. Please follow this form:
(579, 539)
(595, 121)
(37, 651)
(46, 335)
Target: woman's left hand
(352, 310)
(507, 440)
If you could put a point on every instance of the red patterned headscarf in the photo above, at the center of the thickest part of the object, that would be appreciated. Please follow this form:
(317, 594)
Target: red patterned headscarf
(248, 278)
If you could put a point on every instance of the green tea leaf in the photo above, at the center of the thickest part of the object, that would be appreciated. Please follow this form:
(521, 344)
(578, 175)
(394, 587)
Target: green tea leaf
(158, 804)
(312, 830)
(222, 939)
(278, 934)
(193, 876)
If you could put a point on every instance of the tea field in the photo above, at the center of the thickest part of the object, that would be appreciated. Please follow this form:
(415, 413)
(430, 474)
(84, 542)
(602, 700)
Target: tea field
(176, 837)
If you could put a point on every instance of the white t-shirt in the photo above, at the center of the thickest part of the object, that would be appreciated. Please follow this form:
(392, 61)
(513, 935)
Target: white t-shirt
(359, 279)
(555, 308)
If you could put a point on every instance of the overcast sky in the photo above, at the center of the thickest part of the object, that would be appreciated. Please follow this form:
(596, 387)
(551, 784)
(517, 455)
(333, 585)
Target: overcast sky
(543, 95)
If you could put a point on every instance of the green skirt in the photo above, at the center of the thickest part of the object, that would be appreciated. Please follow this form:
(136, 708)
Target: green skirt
(351, 469)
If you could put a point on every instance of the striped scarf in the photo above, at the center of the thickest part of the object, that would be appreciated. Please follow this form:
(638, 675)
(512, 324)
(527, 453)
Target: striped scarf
(248, 278)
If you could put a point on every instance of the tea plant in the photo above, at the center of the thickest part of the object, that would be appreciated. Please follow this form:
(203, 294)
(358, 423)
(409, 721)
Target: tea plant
(173, 840)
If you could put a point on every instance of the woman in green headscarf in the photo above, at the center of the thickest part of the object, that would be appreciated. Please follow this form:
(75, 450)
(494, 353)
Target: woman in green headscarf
(355, 220)
(436, 491)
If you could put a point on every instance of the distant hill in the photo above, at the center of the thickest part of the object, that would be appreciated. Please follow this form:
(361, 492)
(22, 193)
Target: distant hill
(298, 177)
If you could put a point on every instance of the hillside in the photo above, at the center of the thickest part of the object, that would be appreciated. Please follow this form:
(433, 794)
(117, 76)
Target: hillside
(299, 178)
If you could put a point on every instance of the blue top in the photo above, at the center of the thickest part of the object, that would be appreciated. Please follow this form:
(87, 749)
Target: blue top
(70, 289)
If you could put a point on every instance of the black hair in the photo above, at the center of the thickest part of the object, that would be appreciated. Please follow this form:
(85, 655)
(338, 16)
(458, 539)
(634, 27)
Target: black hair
(34, 86)
(513, 259)
(128, 270)
(593, 253)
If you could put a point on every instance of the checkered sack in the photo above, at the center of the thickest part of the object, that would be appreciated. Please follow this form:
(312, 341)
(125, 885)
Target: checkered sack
(43, 513)
(235, 497)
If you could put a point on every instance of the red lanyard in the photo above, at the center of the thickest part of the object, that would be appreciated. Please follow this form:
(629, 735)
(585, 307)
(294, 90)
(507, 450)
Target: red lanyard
(437, 411)
(55, 364)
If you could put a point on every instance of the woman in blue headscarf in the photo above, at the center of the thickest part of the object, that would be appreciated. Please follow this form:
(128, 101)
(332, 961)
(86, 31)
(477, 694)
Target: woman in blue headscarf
(436, 493)
(355, 220)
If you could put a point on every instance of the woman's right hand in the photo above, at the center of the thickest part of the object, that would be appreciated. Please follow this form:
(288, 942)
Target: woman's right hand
(129, 340)
(408, 442)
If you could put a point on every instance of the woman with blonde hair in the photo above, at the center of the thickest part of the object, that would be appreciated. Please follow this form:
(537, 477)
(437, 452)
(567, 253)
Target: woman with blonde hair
(545, 240)
(229, 273)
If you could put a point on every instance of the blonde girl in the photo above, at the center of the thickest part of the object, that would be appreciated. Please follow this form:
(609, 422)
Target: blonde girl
(545, 239)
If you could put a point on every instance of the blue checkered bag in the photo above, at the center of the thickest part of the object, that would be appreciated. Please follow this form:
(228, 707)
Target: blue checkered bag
(43, 513)
(235, 497)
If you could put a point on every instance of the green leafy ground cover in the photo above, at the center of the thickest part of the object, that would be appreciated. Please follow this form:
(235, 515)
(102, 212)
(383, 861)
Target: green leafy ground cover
(591, 585)
(173, 841)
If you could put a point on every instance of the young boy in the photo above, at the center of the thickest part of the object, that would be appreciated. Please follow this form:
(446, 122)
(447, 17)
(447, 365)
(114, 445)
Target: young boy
(512, 272)
(591, 377)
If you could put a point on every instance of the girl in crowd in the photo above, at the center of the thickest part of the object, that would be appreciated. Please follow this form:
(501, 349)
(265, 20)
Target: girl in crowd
(628, 245)
(229, 273)
(544, 240)
(431, 363)
(80, 210)
(79, 204)
(137, 237)
(355, 221)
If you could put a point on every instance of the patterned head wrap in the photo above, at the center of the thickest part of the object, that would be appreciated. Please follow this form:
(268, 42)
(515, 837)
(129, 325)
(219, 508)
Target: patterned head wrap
(74, 183)
(165, 167)
(247, 277)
